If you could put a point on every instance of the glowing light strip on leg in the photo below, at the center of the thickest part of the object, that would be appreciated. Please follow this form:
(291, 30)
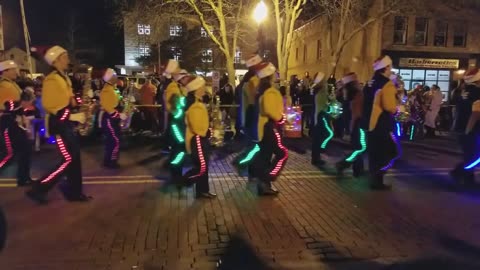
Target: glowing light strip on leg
(116, 148)
(282, 161)
(8, 145)
(363, 143)
(330, 136)
(66, 156)
(399, 130)
(399, 151)
(250, 155)
(177, 133)
(178, 158)
(201, 157)
(412, 132)
(178, 113)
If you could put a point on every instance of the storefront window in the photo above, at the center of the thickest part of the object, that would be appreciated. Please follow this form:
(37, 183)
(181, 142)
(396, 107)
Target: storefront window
(459, 35)
(431, 75)
(440, 39)
(400, 30)
(418, 74)
(421, 29)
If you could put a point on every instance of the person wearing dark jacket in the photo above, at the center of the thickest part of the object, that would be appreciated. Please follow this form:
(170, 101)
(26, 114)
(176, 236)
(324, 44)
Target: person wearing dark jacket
(467, 127)
(380, 106)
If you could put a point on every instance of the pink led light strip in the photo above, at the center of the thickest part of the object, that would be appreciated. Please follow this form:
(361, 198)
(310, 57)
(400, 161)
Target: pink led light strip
(203, 164)
(66, 156)
(281, 162)
(117, 141)
(8, 145)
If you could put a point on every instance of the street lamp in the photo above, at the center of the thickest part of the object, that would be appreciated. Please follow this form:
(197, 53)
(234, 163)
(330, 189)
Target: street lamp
(260, 12)
(259, 15)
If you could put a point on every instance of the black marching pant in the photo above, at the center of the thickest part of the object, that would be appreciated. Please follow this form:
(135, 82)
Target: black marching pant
(177, 151)
(470, 148)
(111, 131)
(266, 168)
(322, 134)
(383, 148)
(358, 142)
(15, 145)
(198, 174)
(70, 166)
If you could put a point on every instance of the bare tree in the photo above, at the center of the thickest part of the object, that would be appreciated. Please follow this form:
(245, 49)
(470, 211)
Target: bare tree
(286, 14)
(224, 21)
(347, 18)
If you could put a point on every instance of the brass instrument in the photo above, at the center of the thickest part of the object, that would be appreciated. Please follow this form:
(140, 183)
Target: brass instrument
(88, 106)
(216, 124)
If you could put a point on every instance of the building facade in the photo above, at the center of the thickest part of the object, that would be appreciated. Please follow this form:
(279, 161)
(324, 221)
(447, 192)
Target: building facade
(140, 36)
(435, 46)
(20, 57)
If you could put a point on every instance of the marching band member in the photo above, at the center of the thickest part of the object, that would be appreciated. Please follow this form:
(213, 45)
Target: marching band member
(249, 115)
(15, 136)
(171, 89)
(358, 139)
(177, 103)
(58, 100)
(322, 131)
(468, 128)
(383, 147)
(271, 117)
(197, 137)
(109, 100)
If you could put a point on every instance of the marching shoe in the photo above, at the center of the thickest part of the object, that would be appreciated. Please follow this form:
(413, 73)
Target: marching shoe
(206, 195)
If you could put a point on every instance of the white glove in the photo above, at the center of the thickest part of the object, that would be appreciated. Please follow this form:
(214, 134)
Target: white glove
(90, 93)
(78, 117)
(123, 116)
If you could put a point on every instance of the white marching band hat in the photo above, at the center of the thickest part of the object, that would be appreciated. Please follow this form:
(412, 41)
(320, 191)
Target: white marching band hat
(350, 77)
(182, 74)
(382, 63)
(253, 61)
(109, 74)
(9, 64)
(265, 69)
(471, 76)
(172, 66)
(194, 83)
(53, 53)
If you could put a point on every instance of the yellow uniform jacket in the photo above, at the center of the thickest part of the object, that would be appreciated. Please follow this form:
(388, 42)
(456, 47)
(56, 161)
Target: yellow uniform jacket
(271, 108)
(171, 90)
(56, 93)
(9, 90)
(109, 99)
(385, 100)
(197, 122)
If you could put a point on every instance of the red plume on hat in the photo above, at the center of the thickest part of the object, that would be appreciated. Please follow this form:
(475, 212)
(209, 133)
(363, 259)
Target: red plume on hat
(265, 69)
(472, 75)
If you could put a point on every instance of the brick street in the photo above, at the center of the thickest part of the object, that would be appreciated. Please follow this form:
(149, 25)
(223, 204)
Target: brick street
(317, 222)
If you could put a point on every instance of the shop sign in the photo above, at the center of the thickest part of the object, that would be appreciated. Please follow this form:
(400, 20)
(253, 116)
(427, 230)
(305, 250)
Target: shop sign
(429, 63)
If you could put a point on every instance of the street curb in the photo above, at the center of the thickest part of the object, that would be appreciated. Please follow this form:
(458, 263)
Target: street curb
(411, 145)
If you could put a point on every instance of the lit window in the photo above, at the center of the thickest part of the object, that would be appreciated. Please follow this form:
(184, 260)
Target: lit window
(421, 28)
(400, 30)
(207, 56)
(177, 53)
(459, 35)
(143, 29)
(440, 38)
(238, 56)
(144, 50)
(176, 30)
(203, 32)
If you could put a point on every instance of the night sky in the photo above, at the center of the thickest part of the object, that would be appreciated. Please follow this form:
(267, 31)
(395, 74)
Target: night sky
(49, 24)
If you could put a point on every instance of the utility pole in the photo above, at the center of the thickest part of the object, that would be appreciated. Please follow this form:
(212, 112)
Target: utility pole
(2, 47)
(27, 37)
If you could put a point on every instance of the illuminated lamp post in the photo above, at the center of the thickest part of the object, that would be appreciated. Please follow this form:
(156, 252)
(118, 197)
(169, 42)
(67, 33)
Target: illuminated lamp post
(259, 15)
